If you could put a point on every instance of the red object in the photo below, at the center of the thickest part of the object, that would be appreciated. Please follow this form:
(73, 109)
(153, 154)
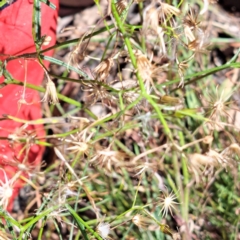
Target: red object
(15, 39)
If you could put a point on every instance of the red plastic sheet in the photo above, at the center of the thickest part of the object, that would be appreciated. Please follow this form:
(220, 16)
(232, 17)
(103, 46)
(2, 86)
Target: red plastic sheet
(23, 103)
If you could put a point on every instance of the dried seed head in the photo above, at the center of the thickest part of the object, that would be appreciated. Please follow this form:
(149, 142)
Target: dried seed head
(200, 43)
(30, 168)
(51, 92)
(121, 5)
(6, 190)
(131, 96)
(80, 147)
(103, 229)
(127, 84)
(189, 34)
(98, 92)
(211, 159)
(146, 70)
(143, 222)
(182, 66)
(198, 160)
(79, 52)
(144, 65)
(103, 69)
(144, 167)
(107, 159)
(156, 12)
(191, 20)
(232, 150)
(166, 11)
(168, 204)
(150, 19)
(218, 104)
(69, 189)
(218, 157)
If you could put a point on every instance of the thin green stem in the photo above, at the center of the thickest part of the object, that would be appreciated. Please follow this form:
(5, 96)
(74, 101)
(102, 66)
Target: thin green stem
(82, 224)
(128, 44)
(60, 96)
(134, 63)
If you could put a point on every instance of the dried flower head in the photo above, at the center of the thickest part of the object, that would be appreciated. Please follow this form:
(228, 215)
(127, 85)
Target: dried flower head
(167, 203)
(121, 6)
(143, 167)
(131, 92)
(80, 147)
(29, 168)
(147, 71)
(189, 34)
(191, 20)
(22, 133)
(200, 43)
(192, 29)
(218, 103)
(150, 19)
(97, 92)
(79, 52)
(151, 24)
(144, 222)
(103, 229)
(130, 85)
(80, 142)
(182, 66)
(231, 151)
(6, 190)
(106, 158)
(206, 163)
(144, 68)
(131, 96)
(197, 161)
(166, 11)
(51, 91)
(103, 69)
(218, 158)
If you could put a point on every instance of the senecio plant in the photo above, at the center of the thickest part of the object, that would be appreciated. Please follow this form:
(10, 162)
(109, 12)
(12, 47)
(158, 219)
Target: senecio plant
(160, 157)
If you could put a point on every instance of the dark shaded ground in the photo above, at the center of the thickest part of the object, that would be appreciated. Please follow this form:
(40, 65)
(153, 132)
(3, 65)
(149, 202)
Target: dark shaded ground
(231, 5)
